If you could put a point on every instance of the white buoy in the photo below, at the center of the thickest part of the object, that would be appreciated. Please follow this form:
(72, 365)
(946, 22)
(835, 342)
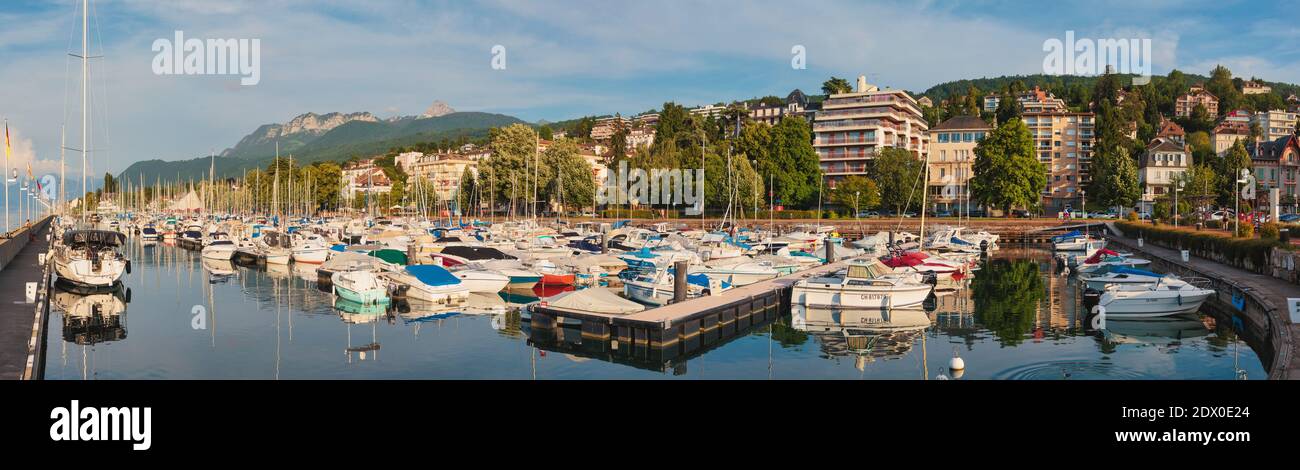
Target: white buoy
(956, 363)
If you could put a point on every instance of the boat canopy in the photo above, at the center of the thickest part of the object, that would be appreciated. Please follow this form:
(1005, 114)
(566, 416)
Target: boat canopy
(93, 237)
(473, 253)
(1067, 236)
(1135, 272)
(1097, 257)
(594, 300)
(433, 275)
(391, 256)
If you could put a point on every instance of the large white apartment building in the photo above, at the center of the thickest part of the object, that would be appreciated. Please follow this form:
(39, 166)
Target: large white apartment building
(1275, 124)
(852, 127)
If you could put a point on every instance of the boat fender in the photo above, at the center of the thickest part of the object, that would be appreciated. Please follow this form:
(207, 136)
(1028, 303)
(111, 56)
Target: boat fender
(128, 266)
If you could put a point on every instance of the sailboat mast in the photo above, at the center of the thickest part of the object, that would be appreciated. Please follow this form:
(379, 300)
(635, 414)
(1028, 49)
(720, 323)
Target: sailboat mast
(85, 78)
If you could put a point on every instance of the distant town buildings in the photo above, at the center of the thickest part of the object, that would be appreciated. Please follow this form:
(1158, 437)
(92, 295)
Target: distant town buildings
(852, 127)
(1160, 165)
(952, 153)
(364, 177)
(1255, 88)
(796, 104)
(1185, 104)
(1031, 101)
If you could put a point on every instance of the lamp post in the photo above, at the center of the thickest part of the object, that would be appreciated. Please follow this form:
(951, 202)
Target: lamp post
(1236, 198)
(1177, 186)
(1083, 194)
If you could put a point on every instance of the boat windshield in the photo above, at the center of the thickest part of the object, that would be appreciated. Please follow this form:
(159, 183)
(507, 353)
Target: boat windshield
(865, 271)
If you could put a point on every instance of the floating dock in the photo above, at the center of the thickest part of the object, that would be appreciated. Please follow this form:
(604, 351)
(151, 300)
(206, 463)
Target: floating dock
(707, 318)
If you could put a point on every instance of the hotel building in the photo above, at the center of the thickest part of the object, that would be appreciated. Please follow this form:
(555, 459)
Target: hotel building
(852, 127)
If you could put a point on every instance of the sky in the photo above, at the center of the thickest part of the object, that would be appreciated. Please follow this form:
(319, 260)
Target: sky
(563, 59)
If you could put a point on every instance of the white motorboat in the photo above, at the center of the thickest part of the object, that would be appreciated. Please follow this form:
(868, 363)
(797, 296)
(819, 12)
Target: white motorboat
(274, 246)
(482, 280)
(865, 284)
(429, 283)
(590, 301)
(1168, 296)
(309, 248)
(364, 287)
(1076, 241)
(219, 247)
(742, 273)
(656, 288)
(89, 258)
(1115, 276)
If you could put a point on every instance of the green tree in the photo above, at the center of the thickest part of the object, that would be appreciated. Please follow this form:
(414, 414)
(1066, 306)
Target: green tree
(618, 147)
(856, 192)
(1008, 106)
(514, 154)
(1006, 172)
(564, 168)
(897, 173)
(467, 191)
(836, 85)
(546, 132)
(1230, 166)
(1221, 86)
(791, 163)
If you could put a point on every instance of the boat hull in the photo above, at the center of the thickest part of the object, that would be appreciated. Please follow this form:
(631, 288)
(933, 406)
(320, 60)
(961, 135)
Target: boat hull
(858, 297)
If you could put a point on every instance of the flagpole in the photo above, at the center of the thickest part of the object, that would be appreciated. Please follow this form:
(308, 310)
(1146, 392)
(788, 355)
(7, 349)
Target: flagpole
(6, 177)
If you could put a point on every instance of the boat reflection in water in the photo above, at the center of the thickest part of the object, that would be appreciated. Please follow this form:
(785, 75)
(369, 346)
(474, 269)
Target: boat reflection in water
(92, 318)
(1164, 333)
(867, 335)
(220, 270)
(354, 313)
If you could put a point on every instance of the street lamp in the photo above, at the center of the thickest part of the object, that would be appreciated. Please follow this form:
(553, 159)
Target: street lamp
(1177, 186)
(1083, 194)
(1236, 197)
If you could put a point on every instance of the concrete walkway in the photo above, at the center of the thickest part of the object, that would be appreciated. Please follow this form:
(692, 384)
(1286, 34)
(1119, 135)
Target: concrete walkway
(17, 318)
(1270, 291)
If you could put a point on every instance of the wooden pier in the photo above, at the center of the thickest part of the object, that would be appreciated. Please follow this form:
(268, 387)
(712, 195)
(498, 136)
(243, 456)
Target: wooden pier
(660, 337)
(22, 324)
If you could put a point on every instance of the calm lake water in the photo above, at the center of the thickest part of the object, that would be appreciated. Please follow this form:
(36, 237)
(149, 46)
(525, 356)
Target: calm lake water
(1015, 319)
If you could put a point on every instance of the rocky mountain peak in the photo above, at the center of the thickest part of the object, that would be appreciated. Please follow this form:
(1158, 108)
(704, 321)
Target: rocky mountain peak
(438, 108)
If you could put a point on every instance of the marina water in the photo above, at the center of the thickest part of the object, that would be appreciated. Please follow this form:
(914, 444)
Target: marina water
(1016, 318)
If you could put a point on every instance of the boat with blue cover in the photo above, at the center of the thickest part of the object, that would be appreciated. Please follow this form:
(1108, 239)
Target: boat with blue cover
(427, 282)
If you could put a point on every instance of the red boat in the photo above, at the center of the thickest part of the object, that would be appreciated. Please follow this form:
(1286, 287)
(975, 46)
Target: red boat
(557, 279)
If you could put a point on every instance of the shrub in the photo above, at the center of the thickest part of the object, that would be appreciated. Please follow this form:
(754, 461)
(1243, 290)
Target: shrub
(1269, 230)
(1235, 251)
(1131, 217)
(1246, 231)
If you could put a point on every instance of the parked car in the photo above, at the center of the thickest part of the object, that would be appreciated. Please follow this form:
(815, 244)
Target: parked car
(1102, 215)
(1144, 215)
(1020, 213)
(943, 213)
(1219, 215)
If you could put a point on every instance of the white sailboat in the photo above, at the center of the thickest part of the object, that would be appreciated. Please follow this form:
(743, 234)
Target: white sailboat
(89, 258)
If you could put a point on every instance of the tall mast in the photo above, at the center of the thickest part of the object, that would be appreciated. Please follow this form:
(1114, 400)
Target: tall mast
(63, 146)
(85, 78)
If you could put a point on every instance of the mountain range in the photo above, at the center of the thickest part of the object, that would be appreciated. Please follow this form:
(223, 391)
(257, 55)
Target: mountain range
(312, 137)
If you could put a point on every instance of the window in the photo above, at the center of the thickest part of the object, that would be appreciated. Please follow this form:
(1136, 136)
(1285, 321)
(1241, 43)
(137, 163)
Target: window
(943, 137)
(968, 137)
